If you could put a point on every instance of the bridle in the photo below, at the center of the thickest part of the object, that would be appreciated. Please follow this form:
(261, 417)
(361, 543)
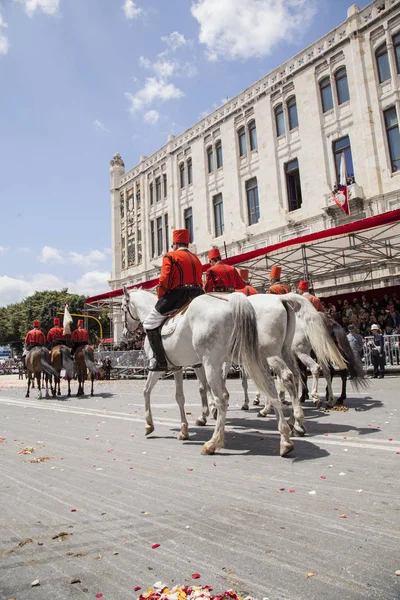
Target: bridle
(126, 310)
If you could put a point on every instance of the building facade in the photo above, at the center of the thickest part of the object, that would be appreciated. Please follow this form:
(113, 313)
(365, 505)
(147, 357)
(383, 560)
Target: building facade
(261, 168)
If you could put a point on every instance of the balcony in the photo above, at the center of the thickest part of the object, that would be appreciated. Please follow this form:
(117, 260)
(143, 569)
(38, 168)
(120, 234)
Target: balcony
(356, 203)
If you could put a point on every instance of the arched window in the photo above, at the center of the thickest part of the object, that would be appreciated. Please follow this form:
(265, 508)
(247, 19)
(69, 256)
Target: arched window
(253, 135)
(326, 94)
(292, 112)
(382, 61)
(396, 43)
(279, 120)
(189, 171)
(151, 193)
(242, 141)
(182, 175)
(210, 159)
(218, 151)
(342, 87)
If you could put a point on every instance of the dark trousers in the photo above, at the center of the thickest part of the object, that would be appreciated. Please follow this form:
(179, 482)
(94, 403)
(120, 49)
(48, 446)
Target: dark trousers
(177, 298)
(378, 363)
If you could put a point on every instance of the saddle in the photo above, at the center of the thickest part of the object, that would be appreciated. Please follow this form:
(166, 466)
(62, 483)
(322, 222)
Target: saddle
(173, 318)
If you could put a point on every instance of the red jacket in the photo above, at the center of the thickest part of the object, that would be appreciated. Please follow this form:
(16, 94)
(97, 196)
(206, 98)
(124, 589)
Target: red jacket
(223, 277)
(79, 335)
(248, 290)
(55, 333)
(36, 337)
(316, 302)
(279, 288)
(179, 268)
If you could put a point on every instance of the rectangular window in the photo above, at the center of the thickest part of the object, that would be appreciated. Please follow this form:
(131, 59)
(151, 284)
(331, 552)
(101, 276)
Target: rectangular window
(326, 94)
(138, 198)
(182, 174)
(152, 240)
(280, 120)
(190, 171)
(343, 145)
(166, 229)
(218, 149)
(242, 141)
(210, 159)
(293, 184)
(253, 135)
(151, 194)
(253, 208)
(342, 86)
(382, 60)
(159, 236)
(393, 137)
(165, 185)
(158, 189)
(188, 219)
(292, 110)
(218, 206)
(396, 42)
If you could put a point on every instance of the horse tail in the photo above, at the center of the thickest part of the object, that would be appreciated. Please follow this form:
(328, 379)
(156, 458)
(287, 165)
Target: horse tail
(46, 366)
(244, 347)
(288, 341)
(89, 363)
(67, 362)
(317, 330)
(354, 364)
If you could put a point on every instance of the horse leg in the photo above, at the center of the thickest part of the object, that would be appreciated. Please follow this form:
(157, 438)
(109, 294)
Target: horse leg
(328, 374)
(80, 386)
(221, 396)
(59, 384)
(203, 389)
(180, 400)
(285, 375)
(343, 396)
(29, 385)
(314, 368)
(286, 444)
(245, 386)
(152, 379)
(69, 387)
(92, 384)
(256, 401)
(38, 379)
(47, 385)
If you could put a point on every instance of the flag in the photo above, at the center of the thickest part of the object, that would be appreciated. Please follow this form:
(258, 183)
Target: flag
(341, 195)
(67, 321)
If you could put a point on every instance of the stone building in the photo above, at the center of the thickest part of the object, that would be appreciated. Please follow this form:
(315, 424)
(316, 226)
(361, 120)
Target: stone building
(261, 168)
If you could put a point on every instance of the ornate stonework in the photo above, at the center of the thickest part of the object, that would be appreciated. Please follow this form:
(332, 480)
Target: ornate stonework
(117, 161)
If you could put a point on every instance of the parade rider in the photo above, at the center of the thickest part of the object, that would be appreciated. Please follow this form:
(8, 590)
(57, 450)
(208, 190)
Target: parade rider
(34, 337)
(304, 290)
(248, 289)
(221, 277)
(276, 287)
(79, 337)
(55, 335)
(180, 281)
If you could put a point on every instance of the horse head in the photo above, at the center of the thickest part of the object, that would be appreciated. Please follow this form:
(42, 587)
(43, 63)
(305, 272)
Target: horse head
(131, 319)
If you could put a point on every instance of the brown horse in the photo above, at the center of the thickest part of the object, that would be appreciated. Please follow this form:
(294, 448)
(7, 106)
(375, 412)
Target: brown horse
(36, 361)
(84, 359)
(61, 359)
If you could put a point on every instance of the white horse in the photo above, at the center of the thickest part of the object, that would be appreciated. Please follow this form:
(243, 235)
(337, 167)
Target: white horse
(212, 331)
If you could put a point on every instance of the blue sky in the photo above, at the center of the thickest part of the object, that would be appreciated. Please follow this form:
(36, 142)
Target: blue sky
(83, 79)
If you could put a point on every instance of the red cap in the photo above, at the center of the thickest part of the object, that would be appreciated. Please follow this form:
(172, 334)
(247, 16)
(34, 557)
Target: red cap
(80, 323)
(36, 323)
(303, 285)
(56, 321)
(244, 274)
(276, 272)
(181, 236)
(214, 253)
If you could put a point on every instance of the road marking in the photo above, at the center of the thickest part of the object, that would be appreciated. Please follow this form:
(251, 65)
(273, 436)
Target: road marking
(334, 439)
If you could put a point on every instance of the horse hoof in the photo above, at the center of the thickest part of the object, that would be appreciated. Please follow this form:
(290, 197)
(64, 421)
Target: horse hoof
(26, 395)
(261, 414)
(245, 407)
(318, 403)
(58, 394)
(92, 394)
(149, 430)
(339, 401)
(201, 422)
(256, 402)
(299, 430)
(183, 436)
(208, 449)
(286, 448)
(329, 404)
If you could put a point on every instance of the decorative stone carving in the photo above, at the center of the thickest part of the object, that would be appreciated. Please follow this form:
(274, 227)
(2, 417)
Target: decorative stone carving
(117, 161)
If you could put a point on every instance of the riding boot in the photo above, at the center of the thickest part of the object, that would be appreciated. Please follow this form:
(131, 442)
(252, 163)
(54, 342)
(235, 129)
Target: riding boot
(159, 360)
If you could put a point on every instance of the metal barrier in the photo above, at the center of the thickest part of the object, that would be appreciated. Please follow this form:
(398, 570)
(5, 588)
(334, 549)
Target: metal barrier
(124, 364)
(392, 351)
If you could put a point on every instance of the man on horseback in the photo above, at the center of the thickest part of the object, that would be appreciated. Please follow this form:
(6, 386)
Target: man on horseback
(34, 337)
(276, 286)
(248, 290)
(55, 335)
(303, 289)
(180, 281)
(79, 337)
(221, 277)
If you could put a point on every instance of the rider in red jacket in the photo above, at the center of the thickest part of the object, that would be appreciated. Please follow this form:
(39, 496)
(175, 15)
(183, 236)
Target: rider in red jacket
(55, 335)
(248, 290)
(35, 337)
(79, 337)
(276, 286)
(221, 277)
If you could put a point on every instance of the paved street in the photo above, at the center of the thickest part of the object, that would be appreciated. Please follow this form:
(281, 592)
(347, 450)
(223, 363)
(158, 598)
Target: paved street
(244, 518)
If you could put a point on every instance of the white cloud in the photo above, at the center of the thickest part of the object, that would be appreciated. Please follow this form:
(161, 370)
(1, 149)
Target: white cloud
(175, 40)
(4, 45)
(87, 260)
(49, 7)
(241, 29)
(151, 117)
(154, 89)
(98, 125)
(2, 250)
(131, 10)
(51, 255)
(14, 289)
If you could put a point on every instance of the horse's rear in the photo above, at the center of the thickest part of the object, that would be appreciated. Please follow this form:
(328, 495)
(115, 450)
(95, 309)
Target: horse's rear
(36, 361)
(84, 361)
(61, 359)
